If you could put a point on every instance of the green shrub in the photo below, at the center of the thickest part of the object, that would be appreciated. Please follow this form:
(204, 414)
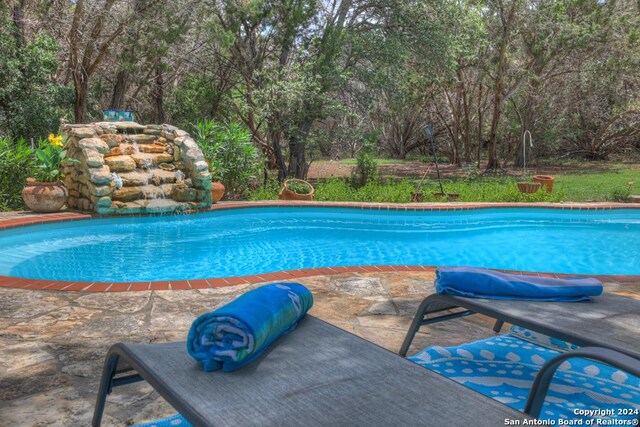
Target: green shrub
(335, 189)
(232, 158)
(497, 190)
(17, 163)
(266, 192)
(480, 190)
(31, 101)
(298, 187)
(338, 190)
(620, 194)
(366, 170)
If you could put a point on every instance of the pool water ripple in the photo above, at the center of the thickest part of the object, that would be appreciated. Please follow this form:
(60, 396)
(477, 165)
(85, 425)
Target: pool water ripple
(262, 240)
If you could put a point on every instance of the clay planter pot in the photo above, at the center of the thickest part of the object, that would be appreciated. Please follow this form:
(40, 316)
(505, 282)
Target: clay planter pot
(217, 191)
(528, 187)
(44, 197)
(286, 194)
(545, 180)
(416, 197)
(450, 196)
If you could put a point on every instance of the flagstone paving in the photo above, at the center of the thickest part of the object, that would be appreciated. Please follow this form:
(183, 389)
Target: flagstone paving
(53, 343)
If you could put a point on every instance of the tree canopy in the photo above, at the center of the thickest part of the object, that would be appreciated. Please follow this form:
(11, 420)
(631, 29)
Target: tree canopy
(329, 78)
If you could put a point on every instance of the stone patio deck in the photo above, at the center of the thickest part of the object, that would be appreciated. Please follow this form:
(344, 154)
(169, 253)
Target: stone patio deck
(53, 343)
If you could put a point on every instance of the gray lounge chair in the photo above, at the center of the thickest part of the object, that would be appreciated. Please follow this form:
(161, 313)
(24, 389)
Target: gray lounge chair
(318, 375)
(608, 329)
(610, 321)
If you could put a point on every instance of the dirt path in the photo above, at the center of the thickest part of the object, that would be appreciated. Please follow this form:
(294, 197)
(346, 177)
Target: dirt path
(413, 169)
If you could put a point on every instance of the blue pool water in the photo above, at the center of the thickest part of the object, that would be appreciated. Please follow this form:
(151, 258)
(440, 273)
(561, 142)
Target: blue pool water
(249, 241)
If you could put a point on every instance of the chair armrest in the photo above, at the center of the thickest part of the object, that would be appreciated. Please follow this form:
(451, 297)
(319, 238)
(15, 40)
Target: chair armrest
(542, 381)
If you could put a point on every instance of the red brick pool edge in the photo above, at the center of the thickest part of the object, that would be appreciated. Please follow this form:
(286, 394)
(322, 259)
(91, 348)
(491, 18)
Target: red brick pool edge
(17, 220)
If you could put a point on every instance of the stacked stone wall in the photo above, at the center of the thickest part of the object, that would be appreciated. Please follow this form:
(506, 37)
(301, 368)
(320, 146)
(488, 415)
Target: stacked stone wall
(128, 168)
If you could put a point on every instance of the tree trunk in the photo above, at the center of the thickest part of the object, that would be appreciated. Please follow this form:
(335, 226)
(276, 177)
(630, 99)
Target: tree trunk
(498, 96)
(119, 90)
(81, 87)
(467, 127)
(297, 150)
(493, 162)
(157, 94)
(277, 151)
(18, 23)
(480, 123)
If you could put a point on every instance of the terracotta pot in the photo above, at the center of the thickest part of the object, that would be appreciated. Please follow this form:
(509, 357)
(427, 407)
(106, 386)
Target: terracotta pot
(44, 197)
(217, 191)
(416, 197)
(528, 187)
(545, 180)
(286, 194)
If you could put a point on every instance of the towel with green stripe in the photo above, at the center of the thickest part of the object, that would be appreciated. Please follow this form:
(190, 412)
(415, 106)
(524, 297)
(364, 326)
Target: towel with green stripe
(236, 334)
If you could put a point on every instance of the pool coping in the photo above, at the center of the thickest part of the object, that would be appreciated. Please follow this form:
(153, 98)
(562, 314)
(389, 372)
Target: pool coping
(54, 285)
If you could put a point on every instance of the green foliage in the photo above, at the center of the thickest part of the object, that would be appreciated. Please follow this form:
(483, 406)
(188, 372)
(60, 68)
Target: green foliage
(232, 158)
(50, 155)
(298, 187)
(597, 184)
(620, 194)
(17, 162)
(266, 192)
(340, 191)
(482, 190)
(496, 190)
(195, 97)
(366, 170)
(31, 103)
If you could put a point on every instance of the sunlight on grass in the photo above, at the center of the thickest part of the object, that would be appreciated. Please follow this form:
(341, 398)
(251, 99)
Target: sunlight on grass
(597, 186)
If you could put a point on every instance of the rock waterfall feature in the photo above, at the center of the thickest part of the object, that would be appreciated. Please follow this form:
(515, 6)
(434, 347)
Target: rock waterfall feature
(128, 168)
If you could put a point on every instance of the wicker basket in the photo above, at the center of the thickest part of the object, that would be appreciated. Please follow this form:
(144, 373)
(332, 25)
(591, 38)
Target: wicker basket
(528, 187)
(286, 194)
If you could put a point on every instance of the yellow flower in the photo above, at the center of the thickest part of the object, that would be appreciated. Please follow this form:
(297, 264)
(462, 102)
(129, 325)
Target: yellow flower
(56, 141)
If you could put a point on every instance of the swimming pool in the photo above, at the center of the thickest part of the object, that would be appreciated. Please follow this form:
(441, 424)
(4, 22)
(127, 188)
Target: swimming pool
(237, 242)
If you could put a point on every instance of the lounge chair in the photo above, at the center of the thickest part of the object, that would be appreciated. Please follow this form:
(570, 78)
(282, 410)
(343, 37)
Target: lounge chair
(610, 321)
(317, 375)
(607, 328)
(504, 368)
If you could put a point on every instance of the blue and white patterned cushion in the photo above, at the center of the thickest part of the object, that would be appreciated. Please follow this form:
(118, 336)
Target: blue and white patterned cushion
(174, 421)
(544, 340)
(503, 368)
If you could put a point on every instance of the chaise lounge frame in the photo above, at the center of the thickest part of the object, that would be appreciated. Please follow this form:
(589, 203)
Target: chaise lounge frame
(606, 329)
(317, 375)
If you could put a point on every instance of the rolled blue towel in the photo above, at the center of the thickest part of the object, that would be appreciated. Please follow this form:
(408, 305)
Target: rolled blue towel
(483, 283)
(237, 333)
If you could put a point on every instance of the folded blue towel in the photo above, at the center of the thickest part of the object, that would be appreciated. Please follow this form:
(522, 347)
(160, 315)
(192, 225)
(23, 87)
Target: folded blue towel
(483, 283)
(237, 333)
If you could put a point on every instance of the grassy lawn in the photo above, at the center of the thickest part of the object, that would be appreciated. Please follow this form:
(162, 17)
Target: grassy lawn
(597, 186)
(578, 186)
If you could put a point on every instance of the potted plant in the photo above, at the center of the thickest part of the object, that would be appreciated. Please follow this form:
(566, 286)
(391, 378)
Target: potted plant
(217, 188)
(296, 189)
(45, 192)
